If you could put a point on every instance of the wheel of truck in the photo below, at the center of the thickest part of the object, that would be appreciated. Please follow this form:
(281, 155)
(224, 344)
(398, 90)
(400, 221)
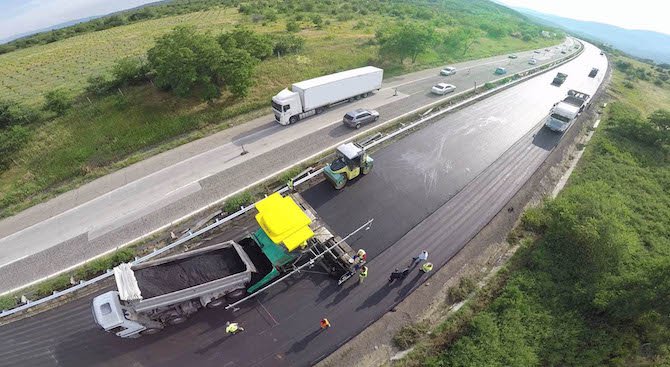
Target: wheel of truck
(319, 110)
(358, 97)
(358, 126)
(176, 319)
(293, 119)
(150, 331)
(366, 95)
(216, 303)
(236, 295)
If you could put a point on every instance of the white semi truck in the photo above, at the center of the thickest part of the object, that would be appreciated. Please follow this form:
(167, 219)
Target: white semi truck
(566, 111)
(313, 96)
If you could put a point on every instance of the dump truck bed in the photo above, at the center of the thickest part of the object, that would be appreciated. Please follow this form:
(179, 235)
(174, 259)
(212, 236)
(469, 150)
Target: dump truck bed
(189, 275)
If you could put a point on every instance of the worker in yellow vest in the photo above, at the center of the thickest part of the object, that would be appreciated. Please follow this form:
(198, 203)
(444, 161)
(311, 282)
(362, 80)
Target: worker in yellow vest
(233, 328)
(427, 267)
(362, 274)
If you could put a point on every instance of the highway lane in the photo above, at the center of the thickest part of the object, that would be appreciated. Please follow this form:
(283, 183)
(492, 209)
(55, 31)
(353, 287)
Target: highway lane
(138, 206)
(282, 326)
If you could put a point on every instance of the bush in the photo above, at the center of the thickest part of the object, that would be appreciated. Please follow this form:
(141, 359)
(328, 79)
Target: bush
(292, 26)
(11, 140)
(257, 45)
(99, 85)
(459, 293)
(98, 266)
(12, 113)
(287, 44)
(129, 70)
(234, 203)
(57, 101)
(408, 335)
(535, 220)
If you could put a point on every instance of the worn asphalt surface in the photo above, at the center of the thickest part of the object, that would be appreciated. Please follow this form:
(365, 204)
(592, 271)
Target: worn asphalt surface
(133, 202)
(433, 190)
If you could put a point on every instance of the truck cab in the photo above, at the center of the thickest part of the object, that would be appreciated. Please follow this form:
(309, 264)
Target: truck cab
(561, 116)
(286, 106)
(111, 315)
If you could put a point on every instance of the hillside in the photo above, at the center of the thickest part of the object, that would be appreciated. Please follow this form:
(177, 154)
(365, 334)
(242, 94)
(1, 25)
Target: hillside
(103, 133)
(589, 284)
(643, 44)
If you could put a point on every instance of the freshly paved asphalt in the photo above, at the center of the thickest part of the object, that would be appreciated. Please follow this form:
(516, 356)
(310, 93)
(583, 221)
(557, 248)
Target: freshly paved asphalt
(434, 190)
(137, 200)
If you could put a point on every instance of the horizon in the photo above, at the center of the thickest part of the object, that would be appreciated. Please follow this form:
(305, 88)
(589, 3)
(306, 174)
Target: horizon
(21, 19)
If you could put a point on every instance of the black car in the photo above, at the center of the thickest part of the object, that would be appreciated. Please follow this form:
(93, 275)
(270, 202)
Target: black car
(593, 73)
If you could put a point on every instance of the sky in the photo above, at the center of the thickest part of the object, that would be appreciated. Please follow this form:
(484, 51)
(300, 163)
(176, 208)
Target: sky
(650, 15)
(21, 16)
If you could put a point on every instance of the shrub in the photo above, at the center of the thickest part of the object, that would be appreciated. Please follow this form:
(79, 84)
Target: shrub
(12, 113)
(287, 44)
(292, 26)
(57, 101)
(11, 140)
(234, 203)
(534, 220)
(257, 45)
(99, 85)
(408, 335)
(129, 70)
(459, 293)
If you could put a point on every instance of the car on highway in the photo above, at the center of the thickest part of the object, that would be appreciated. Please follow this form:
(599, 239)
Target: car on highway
(602, 53)
(563, 52)
(537, 51)
(360, 116)
(512, 56)
(532, 61)
(442, 88)
(593, 73)
(500, 71)
(449, 70)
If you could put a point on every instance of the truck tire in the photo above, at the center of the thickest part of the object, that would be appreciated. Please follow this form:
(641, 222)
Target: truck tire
(236, 295)
(357, 97)
(293, 120)
(366, 95)
(150, 331)
(216, 303)
(176, 319)
(358, 125)
(320, 110)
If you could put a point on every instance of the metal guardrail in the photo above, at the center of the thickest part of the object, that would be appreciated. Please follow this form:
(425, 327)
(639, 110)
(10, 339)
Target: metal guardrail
(529, 73)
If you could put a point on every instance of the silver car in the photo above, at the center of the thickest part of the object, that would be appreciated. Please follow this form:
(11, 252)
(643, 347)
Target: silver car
(359, 117)
(449, 70)
(442, 88)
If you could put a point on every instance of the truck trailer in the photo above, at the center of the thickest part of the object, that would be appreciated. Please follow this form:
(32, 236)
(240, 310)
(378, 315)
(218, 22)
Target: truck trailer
(162, 292)
(566, 111)
(313, 96)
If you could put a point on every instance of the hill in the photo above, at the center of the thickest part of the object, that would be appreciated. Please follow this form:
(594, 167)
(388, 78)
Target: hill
(104, 133)
(643, 44)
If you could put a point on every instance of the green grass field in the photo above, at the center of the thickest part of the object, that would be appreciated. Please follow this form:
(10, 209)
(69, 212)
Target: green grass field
(107, 133)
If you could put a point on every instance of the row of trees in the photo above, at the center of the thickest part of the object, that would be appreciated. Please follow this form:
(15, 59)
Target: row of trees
(410, 39)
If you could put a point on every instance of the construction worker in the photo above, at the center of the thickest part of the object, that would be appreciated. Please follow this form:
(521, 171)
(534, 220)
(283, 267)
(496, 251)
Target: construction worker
(427, 267)
(325, 324)
(362, 274)
(359, 259)
(396, 274)
(233, 328)
(423, 256)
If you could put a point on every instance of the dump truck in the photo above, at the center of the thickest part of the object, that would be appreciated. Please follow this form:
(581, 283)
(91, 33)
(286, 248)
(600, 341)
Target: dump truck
(566, 111)
(351, 160)
(559, 79)
(166, 291)
(313, 96)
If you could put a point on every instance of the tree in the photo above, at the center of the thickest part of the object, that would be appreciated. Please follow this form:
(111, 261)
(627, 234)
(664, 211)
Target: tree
(287, 43)
(257, 45)
(57, 101)
(407, 40)
(185, 59)
(292, 26)
(462, 39)
(12, 113)
(129, 70)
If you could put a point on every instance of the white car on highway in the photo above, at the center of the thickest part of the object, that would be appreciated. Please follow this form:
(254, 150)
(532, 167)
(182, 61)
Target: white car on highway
(449, 70)
(442, 88)
(532, 61)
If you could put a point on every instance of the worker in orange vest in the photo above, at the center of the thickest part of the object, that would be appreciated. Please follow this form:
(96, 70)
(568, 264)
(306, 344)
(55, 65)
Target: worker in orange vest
(325, 324)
